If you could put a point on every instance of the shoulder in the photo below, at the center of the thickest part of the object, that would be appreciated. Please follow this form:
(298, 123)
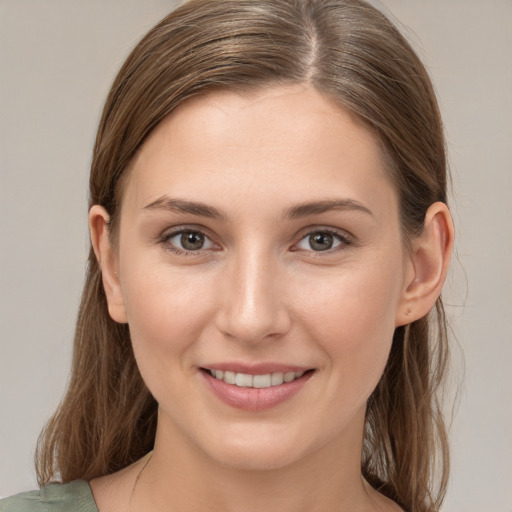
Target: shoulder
(71, 497)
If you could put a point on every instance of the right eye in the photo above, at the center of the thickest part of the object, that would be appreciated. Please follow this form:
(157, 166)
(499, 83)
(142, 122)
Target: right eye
(187, 241)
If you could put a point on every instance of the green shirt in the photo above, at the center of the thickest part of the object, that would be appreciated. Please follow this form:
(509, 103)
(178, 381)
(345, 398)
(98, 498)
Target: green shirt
(71, 497)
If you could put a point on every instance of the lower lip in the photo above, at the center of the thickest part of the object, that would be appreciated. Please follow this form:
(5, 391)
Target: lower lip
(254, 399)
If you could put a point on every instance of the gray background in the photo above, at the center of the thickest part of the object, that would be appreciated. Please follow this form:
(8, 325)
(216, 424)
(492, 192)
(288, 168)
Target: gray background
(58, 58)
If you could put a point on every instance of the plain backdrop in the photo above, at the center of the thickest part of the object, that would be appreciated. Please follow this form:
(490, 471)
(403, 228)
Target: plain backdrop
(58, 58)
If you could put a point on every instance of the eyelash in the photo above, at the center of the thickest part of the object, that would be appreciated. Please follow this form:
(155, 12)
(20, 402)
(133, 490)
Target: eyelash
(168, 235)
(344, 241)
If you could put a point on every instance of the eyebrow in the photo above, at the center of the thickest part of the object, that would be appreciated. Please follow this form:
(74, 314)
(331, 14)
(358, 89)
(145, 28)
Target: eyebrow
(316, 207)
(182, 206)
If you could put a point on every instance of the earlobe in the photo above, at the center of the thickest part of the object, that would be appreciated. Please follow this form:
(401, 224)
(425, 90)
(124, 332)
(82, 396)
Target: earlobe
(106, 256)
(429, 262)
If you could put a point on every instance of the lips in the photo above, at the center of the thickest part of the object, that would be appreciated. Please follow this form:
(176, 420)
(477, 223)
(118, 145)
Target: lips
(254, 388)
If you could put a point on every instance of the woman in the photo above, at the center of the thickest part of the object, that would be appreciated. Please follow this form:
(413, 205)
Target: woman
(261, 325)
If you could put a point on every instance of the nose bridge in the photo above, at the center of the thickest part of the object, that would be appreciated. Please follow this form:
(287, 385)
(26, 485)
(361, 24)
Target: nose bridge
(253, 307)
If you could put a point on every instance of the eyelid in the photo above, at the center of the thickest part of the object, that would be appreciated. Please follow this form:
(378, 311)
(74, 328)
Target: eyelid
(345, 238)
(170, 233)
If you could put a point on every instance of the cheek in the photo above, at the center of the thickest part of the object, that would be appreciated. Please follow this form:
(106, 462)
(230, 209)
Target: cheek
(360, 298)
(352, 318)
(165, 311)
(166, 315)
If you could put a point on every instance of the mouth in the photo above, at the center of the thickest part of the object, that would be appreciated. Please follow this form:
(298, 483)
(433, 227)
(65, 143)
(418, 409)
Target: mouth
(246, 380)
(256, 391)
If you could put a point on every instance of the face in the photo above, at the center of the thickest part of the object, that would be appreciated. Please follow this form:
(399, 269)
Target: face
(261, 271)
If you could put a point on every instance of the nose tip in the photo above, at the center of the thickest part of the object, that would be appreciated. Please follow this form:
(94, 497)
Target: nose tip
(252, 306)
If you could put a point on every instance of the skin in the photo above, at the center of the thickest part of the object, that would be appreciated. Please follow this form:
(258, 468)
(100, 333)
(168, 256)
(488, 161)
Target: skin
(259, 291)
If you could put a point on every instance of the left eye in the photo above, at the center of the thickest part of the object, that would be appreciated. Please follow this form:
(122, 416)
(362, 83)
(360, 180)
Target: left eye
(319, 241)
(190, 241)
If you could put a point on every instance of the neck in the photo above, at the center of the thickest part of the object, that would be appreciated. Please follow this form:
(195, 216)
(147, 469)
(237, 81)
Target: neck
(181, 478)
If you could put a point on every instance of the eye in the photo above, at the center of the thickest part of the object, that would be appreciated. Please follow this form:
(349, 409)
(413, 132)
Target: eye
(187, 241)
(321, 241)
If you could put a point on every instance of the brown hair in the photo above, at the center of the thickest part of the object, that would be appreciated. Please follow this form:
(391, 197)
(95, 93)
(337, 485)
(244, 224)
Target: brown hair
(350, 52)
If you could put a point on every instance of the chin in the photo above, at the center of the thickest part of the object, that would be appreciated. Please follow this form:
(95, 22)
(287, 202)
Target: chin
(264, 447)
(255, 457)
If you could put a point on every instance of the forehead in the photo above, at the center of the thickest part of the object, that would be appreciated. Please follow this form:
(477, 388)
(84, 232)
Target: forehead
(290, 139)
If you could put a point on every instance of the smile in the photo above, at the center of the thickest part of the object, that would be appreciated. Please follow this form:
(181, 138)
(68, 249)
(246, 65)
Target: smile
(255, 391)
(245, 380)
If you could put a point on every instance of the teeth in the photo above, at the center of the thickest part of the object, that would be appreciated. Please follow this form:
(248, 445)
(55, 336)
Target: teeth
(245, 380)
(277, 379)
(229, 377)
(289, 376)
(262, 381)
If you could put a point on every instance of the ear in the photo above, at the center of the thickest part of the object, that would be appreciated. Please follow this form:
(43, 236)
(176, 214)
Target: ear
(107, 259)
(429, 259)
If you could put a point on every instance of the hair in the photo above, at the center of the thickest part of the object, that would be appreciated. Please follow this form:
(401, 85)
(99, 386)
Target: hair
(353, 55)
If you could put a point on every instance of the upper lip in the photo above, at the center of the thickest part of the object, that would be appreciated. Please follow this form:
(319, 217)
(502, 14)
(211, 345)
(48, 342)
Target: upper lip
(256, 368)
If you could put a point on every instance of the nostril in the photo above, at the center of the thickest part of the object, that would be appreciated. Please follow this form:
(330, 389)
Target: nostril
(251, 300)
(253, 328)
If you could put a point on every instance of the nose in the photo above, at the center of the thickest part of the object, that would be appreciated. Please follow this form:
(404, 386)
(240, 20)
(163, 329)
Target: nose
(252, 302)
